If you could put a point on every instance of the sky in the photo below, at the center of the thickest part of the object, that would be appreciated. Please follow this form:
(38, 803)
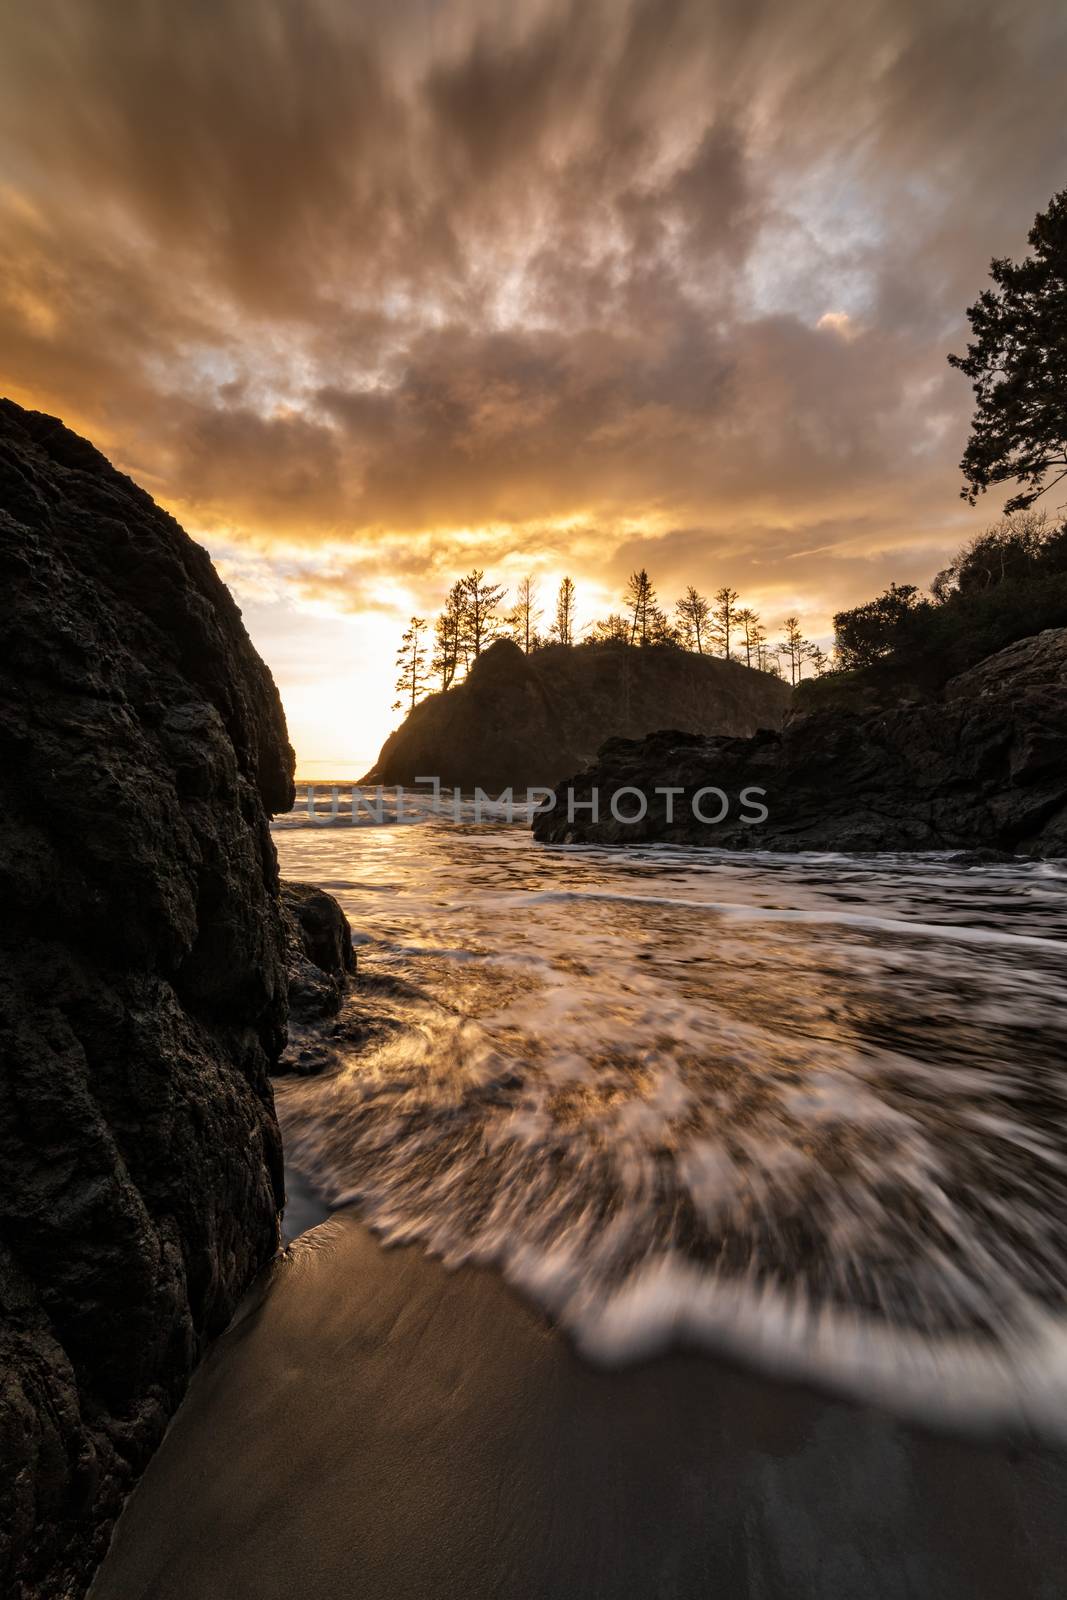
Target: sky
(371, 294)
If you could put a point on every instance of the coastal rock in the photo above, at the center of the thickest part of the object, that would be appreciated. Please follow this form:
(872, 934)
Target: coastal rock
(142, 985)
(319, 954)
(522, 720)
(982, 768)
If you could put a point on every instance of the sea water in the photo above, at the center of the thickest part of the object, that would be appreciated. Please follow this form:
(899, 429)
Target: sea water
(807, 1109)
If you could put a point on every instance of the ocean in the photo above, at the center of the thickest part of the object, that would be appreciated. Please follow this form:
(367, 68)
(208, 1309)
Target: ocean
(809, 1110)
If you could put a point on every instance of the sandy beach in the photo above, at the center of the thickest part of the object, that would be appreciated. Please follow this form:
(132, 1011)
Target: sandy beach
(374, 1425)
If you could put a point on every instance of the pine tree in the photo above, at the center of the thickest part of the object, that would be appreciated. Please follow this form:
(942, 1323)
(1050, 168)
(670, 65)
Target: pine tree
(641, 599)
(612, 630)
(448, 637)
(481, 601)
(413, 681)
(524, 616)
(794, 647)
(694, 619)
(724, 616)
(563, 628)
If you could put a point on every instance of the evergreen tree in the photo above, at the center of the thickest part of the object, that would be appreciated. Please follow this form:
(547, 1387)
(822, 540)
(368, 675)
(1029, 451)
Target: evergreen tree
(564, 624)
(794, 647)
(614, 629)
(524, 616)
(413, 681)
(1017, 362)
(752, 633)
(448, 637)
(724, 617)
(641, 599)
(481, 602)
(694, 620)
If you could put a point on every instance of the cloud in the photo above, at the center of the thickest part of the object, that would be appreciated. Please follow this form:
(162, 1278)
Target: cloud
(405, 285)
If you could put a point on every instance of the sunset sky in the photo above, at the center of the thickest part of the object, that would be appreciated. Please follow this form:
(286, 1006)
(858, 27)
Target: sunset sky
(369, 294)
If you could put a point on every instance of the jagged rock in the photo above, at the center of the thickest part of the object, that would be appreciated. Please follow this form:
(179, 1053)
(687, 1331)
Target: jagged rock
(142, 985)
(319, 953)
(522, 720)
(983, 768)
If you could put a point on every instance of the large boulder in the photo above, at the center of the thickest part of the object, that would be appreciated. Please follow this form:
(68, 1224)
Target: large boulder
(142, 985)
(523, 720)
(983, 767)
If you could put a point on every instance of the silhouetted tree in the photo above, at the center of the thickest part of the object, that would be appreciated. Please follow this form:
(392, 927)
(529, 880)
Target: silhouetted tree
(525, 614)
(752, 635)
(818, 658)
(660, 630)
(448, 636)
(794, 647)
(724, 616)
(563, 628)
(481, 602)
(640, 597)
(413, 681)
(694, 613)
(868, 632)
(1017, 361)
(613, 629)
(1019, 547)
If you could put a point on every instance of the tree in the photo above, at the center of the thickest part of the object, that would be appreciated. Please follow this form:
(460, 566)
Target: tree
(481, 601)
(661, 631)
(693, 611)
(640, 598)
(525, 614)
(448, 636)
(794, 647)
(818, 658)
(753, 635)
(1019, 546)
(564, 624)
(413, 681)
(1017, 362)
(724, 616)
(884, 625)
(613, 630)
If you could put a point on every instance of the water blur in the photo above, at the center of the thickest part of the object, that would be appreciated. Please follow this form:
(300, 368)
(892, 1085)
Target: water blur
(807, 1108)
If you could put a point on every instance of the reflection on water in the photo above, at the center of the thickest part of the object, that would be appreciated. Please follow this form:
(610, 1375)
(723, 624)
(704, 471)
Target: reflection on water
(812, 1108)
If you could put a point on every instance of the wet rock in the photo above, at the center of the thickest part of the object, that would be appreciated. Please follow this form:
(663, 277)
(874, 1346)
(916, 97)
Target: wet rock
(982, 769)
(319, 954)
(142, 985)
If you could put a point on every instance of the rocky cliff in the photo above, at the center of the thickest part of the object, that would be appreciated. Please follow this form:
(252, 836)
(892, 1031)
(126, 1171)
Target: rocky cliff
(521, 720)
(983, 767)
(142, 988)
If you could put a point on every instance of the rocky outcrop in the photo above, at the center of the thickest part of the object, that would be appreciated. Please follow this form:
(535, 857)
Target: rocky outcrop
(319, 954)
(984, 767)
(522, 720)
(142, 985)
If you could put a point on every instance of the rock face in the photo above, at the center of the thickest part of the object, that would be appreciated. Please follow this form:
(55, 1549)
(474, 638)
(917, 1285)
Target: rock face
(319, 954)
(983, 768)
(142, 985)
(522, 720)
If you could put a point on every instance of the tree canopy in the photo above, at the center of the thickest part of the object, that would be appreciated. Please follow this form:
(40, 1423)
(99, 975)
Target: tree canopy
(1017, 361)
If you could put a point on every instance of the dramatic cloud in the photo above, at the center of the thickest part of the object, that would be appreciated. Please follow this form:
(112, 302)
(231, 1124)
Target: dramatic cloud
(368, 293)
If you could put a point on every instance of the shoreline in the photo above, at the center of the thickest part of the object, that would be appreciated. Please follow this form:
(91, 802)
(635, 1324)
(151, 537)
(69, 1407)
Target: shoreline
(374, 1424)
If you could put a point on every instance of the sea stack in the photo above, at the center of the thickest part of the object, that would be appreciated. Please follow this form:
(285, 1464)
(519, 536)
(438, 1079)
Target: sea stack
(522, 720)
(142, 982)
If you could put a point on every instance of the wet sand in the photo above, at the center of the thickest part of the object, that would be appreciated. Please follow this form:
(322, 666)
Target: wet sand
(375, 1426)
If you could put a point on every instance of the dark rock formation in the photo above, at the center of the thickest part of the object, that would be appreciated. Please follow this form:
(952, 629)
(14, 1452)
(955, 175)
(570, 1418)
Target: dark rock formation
(142, 985)
(523, 720)
(983, 768)
(319, 954)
